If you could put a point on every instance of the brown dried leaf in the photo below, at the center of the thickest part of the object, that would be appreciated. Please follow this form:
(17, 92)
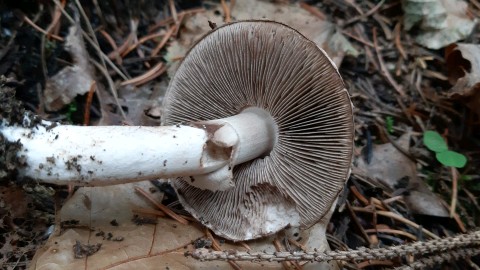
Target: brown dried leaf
(71, 81)
(390, 167)
(88, 218)
(463, 64)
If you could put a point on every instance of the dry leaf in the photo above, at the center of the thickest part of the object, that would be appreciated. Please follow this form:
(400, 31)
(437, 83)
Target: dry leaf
(390, 167)
(71, 81)
(463, 64)
(440, 22)
(323, 33)
(103, 216)
(139, 101)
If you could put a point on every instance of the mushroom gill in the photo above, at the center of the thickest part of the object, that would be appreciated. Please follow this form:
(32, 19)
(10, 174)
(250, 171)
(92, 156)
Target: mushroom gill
(271, 66)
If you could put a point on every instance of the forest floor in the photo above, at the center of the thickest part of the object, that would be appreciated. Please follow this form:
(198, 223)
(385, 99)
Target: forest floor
(414, 81)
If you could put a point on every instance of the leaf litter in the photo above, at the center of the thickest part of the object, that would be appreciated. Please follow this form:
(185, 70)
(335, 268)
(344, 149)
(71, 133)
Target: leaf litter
(387, 195)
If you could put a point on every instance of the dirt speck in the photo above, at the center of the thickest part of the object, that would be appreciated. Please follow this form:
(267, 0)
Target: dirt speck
(82, 250)
(72, 164)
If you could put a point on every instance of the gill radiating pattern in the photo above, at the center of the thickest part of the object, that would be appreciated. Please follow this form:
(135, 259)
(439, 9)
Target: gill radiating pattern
(271, 66)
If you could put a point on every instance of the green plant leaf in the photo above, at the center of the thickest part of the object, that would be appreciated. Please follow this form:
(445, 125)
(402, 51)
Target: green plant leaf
(389, 124)
(434, 141)
(452, 158)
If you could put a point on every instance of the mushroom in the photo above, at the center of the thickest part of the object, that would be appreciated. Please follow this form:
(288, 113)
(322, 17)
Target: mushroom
(266, 140)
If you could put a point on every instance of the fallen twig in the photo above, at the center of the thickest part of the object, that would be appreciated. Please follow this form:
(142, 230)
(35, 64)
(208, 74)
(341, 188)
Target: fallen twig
(163, 41)
(313, 10)
(383, 68)
(170, 20)
(453, 203)
(151, 74)
(226, 11)
(216, 247)
(398, 218)
(88, 103)
(162, 207)
(23, 17)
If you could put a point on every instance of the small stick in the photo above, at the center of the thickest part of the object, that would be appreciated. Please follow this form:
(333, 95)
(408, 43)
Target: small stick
(226, 11)
(111, 86)
(173, 11)
(162, 207)
(313, 10)
(369, 55)
(383, 68)
(170, 20)
(113, 45)
(56, 17)
(398, 218)
(23, 17)
(141, 41)
(460, 224)
(216, 247)
(140, 53)
(151, 74)
(377, 203)
(393, 199)
(357, 224)
(297, 244)
(398, 43)
(358, 195)
(120, 50)
(86, 114)
(243, 244)
(453, 203)
(177, 26)
(365, 15)
(472, 198)
(159, 213)
(163, 41)
(392, 231)
(364, 42)
(278, 247)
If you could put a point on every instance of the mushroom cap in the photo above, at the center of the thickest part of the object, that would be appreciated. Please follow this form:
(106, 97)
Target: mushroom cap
(271, 66)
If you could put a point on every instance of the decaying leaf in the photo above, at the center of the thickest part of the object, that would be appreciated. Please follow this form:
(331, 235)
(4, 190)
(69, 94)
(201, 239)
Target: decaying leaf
(71, 81)
(390, 167)
(440, 22)
(323, 33)
(139, 101)
(101, 217)
(463, 64)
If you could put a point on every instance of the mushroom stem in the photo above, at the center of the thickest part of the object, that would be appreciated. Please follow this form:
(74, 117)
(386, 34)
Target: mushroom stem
(105, 155)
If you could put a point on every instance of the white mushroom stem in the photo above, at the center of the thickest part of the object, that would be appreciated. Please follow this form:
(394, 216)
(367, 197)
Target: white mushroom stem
(105, 155)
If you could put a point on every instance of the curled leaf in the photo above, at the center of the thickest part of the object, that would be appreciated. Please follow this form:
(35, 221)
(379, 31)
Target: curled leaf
(463, 65)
